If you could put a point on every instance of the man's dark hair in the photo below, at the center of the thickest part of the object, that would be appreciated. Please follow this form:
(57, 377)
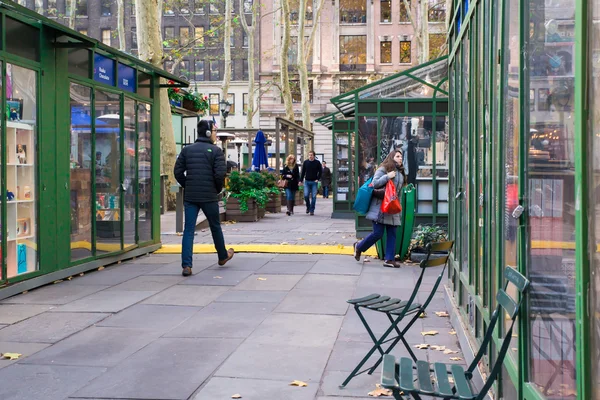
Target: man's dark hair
(313, 153)
(324, 162)
(203, 126)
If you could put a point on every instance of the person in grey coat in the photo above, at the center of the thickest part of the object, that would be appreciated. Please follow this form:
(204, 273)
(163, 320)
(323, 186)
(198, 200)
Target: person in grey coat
(390, 169)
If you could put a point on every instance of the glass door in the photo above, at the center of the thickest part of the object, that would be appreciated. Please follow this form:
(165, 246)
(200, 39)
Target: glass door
(21, 171)
(144, 178)
(129, 184)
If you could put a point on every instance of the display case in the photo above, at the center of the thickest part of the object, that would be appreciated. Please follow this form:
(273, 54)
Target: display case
(343, 154)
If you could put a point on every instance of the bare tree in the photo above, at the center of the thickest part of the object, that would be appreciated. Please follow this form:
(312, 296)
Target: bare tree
(151, 50)
(227, 51)
(283, 63)
(72, 12)
(121, 24)
(250, 34)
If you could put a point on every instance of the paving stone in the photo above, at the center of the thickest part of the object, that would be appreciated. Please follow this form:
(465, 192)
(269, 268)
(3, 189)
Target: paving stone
(13, 313)
(272, 282)
(61, 293)
(278, 362)
(155, 259)
(175, 268)
(347, 267)
(392, 279)
(52, 382)
(95, 347)
(327, 283)
(353, 329)
(106, 301)
(359, 386)
(187, 295)
(25, 349)
(3, 325)
(300, 329)
(148, 316)
(227, 320)
(165, 369)
(221, 277)
(149, 283)
(297, 257)
(306, 302)
(286, 268)
(49, 327)
(112, 275)
(322, 398)
(252, 296)
(241, 262)
(346, 355)
(254, 389)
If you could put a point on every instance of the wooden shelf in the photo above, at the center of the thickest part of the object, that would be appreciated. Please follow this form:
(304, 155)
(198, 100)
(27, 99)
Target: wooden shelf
(18, 125)
(19, 165)
(20, 201)
(20, 238)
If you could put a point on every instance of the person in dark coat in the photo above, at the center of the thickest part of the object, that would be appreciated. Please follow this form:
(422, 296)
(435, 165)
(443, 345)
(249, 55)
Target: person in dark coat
(311, 170)
(200, 169)
(326, 180)
(291, 174)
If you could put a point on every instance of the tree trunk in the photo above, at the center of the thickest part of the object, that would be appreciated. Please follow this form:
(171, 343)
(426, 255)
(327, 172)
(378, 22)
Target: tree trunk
(414, 20)
(302, 69)
(121, 25)
(250, 31)
(226, 53)
(151, 50)
(73, 12)
(424, 17)
(283, 61)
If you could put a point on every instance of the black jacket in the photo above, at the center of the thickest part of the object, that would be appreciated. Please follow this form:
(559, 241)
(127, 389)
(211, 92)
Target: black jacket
(311, 170)
(326, 176)
(200, 169)
(293, 181)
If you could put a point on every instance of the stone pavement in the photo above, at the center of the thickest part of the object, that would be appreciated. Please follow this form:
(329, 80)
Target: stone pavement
(139, 330)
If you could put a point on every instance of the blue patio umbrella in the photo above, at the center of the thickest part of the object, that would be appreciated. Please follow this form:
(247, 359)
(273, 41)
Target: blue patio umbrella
(259, 160)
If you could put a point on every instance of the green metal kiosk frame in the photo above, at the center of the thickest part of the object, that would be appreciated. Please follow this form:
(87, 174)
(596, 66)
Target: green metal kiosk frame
(80, 165)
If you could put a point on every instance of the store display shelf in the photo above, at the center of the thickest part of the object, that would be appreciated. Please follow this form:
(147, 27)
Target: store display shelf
(20, 201)
(19, 125)
(19, 165)
(20, 238)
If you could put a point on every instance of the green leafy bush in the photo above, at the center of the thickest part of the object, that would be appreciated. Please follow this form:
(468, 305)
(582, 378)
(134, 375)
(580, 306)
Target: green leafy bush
(246, 186)
(425, 234)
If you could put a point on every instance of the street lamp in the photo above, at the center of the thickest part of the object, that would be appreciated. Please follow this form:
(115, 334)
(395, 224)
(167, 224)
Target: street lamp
(238, 143)
(225, 107)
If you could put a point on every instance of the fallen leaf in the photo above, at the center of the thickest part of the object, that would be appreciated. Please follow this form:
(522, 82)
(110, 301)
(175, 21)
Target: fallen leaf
(423, 315)
(455, 358)
(299, 383)
(343, 237)
(438, 348)
(449, 351)
(324, 243)
(284, 243)
(340, 246)
(236, 396)
(450, 379)
(179, 234)
(11, 356)
(515, 335)
(367, 260)
(442, 314)
(422, 346)
(58, 281)
(300, 239)
(429, 333)
(452, 332)
(100, 268)
(69, 278)
(515, 349)
(380, 391)
(261, 279)
(81, 274)
(25, 292)
(570, 393)
(217, 277)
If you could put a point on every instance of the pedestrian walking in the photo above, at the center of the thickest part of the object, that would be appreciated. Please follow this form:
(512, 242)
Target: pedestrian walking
(291, 174)
(311, 170)
(326, 180)
(200, 170)
(391, 169)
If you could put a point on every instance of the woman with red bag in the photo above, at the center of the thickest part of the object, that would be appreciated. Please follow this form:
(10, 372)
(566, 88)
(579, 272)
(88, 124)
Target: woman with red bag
(390, 170)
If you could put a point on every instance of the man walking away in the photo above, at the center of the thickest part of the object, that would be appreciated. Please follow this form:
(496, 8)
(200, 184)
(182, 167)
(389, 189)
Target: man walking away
(200, 170)
(311, 170)
(326, 180)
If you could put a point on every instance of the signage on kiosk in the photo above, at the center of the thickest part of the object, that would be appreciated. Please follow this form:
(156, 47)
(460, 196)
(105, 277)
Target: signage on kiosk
(104, 70)
(126, 78)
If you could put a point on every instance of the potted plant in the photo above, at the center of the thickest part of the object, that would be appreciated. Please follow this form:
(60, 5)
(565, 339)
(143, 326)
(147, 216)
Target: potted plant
(240, 204)
(175, 95)
(258, 184)
(274, 203)
(422, 236)
(195, 102)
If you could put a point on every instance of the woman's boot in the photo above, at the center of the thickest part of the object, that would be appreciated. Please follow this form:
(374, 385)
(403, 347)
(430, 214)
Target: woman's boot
(289, 207)
(293, 204)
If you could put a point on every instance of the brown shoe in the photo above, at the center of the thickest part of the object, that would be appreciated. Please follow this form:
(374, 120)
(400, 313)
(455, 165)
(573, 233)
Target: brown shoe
(187, 271)
(230, 254)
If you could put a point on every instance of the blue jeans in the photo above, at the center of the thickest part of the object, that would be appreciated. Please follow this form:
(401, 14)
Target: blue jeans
(290, 194)
(211, 211)
(310, 187)
(390, 243)
(326, 192)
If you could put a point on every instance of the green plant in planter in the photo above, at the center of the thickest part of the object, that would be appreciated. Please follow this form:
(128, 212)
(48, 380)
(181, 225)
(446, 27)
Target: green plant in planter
(199, 103)
(425, 234)
(244, 187)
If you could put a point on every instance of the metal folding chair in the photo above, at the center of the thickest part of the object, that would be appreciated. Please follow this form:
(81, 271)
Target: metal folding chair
(399, 375)
(396, 310)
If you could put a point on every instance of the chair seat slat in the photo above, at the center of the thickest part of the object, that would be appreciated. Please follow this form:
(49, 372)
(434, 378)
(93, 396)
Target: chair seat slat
(424, 377)
(374, 301)
(441, 376)
(366, 298)
(406, 374)
(385, 304)
(460, 381)
(411, 309)
(388, 372)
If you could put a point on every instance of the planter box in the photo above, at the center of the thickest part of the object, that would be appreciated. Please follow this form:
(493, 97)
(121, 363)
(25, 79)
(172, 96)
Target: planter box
(189, 105)
(274, 204)
(261, 212)
(299, 197)
(233, 212)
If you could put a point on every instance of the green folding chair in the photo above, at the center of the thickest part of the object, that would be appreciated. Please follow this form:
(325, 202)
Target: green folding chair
(396, 310)
(399, 375)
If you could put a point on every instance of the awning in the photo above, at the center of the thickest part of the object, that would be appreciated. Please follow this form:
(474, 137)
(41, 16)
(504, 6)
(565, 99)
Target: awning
(327, 120)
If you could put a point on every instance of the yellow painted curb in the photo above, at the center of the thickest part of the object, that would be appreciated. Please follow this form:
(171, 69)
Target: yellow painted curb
(268, 248)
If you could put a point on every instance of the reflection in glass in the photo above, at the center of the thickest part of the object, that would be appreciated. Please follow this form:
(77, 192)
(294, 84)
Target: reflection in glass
(343, 166)
(551, 188)
(21, 176)
(367, 148)
(465, 119)
(144, 173)
(129, 178)
(81, 172)
(108, 182)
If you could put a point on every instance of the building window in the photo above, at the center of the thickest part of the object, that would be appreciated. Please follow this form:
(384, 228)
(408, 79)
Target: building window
(106, 36)
(134, 43)
(199, 70)
(231, 100)
(245, 103)
(169, 36)
(198, 7)
(105, 8)
(232, 38)
(39, 6)
(82, 8)
(132, 7)
(214, 99)
(184, 35)
(405, 52)
(437, 11)
(353, 11)
(245, 70)
(297, 94)
(184, 69)
(199, 36)
(404, 11)
(245, 40)
(233, 70)
(215, 74)
(52, 10)
(293, 53)
(348, 85)
(385, 48)
(168, 66)
(353, 53)
(386, 10)
(83, 31)
(248, 6)
(437, 45)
